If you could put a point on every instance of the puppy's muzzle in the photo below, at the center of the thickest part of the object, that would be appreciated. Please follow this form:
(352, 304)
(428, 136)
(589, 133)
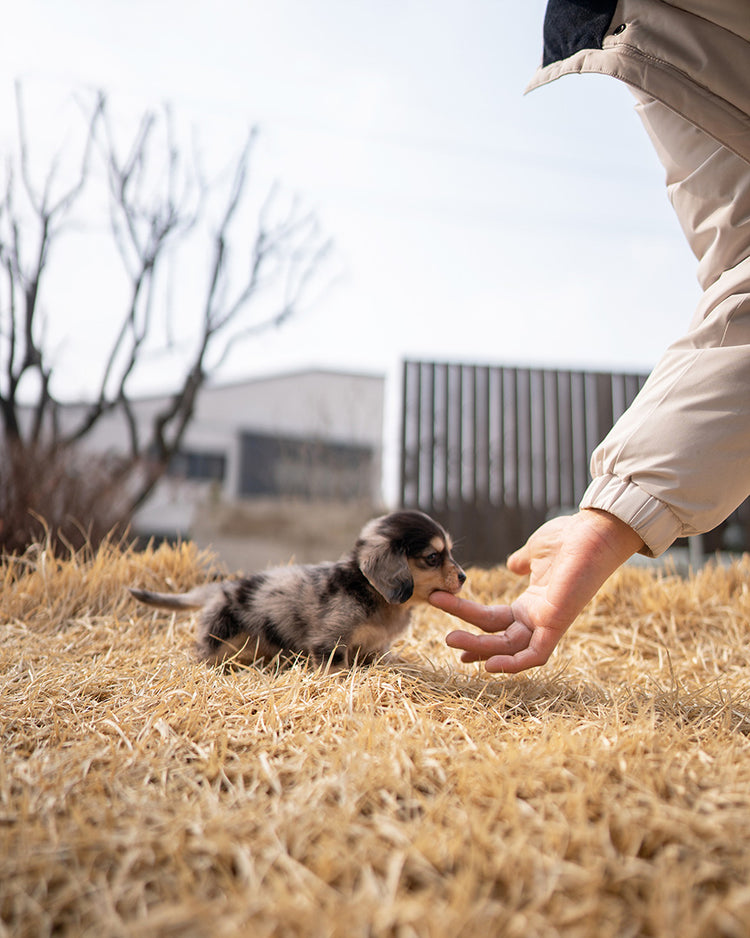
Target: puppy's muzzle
(455, 579)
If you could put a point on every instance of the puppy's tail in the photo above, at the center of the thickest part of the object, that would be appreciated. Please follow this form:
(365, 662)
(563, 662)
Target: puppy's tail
(184, 602)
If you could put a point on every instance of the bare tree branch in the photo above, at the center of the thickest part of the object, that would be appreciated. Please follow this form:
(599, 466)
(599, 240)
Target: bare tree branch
(24, 271)
(144, 225)
(157, 197)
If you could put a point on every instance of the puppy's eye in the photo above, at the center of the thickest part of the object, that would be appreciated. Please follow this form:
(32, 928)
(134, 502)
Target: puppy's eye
(433, 559)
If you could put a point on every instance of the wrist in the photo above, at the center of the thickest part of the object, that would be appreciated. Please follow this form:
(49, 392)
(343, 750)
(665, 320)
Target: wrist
(620, 538)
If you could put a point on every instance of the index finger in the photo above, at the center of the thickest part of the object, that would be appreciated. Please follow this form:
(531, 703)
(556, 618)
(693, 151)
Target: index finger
(487, 618)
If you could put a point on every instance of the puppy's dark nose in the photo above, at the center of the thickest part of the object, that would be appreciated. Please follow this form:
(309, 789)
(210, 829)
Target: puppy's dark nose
(461, 576)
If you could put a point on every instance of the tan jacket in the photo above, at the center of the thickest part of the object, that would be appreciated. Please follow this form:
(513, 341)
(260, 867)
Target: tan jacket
(694, 56)
(678, 461)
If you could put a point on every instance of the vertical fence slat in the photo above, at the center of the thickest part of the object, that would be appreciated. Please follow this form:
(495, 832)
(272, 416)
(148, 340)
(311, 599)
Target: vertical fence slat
(427, 434)
(565, 428)
(511, 436)
(497, 431)
(551, 429)
(481, 467)
(604, 405)
(443, 432)
(538, 437)
(460, 435)
(523, 428)
(408, 454)
(454, 435)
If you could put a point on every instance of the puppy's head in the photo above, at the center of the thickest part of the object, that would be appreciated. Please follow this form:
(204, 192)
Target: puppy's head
(407, 555)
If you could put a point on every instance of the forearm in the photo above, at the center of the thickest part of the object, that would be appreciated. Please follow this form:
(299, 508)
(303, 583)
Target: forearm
(678, 461)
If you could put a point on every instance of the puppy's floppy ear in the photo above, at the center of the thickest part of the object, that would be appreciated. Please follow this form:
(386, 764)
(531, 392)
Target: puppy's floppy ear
(386, 569)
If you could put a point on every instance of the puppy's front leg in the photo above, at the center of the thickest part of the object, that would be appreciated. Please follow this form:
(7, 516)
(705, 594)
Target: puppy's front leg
(369, 656)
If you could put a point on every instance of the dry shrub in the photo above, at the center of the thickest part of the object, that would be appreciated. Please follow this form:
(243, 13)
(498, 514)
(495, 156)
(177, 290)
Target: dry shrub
(82, 497)
(142, 793)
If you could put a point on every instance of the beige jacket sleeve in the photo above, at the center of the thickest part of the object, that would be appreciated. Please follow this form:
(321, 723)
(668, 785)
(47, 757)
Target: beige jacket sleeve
(678, 461)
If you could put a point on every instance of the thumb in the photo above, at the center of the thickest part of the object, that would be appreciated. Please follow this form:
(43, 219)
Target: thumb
(520, 560)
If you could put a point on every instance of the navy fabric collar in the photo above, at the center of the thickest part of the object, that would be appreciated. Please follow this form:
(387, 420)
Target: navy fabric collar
(572, 25)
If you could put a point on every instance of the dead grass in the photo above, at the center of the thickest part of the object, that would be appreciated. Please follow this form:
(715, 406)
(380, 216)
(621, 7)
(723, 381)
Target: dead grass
(142, 794)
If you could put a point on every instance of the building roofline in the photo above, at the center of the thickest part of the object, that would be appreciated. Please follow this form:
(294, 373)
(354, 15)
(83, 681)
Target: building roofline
(296, 373)
(244, 382)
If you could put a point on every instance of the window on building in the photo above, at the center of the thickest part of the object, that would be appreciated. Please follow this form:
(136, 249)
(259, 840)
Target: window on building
(274, 465)
(198, 465)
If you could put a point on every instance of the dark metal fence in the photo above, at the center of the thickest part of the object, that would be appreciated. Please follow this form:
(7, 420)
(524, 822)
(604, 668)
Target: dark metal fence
(493, 451)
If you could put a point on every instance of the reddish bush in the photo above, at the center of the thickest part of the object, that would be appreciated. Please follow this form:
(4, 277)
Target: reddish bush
(68, 496)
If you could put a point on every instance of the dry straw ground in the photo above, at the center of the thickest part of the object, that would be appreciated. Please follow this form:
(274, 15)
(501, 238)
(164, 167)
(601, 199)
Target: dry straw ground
(142, 794)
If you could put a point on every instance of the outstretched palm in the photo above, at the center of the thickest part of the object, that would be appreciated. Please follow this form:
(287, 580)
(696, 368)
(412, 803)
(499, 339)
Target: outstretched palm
(568, 559)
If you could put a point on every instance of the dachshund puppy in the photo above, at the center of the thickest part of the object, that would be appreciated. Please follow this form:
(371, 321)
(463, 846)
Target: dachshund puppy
(335, 613)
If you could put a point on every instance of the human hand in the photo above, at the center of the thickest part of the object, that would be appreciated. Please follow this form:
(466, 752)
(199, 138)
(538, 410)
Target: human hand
(568, 559)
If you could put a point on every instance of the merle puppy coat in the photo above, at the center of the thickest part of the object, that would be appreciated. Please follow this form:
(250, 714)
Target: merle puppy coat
(333, 612)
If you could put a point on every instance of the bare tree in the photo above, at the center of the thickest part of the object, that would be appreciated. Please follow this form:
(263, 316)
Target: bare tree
(157, 197)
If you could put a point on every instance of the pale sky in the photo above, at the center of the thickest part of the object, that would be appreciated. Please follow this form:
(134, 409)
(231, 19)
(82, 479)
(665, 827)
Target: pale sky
(471, 223)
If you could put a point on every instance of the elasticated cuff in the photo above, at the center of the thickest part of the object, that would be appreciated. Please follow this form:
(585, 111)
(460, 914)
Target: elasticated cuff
(649, 517)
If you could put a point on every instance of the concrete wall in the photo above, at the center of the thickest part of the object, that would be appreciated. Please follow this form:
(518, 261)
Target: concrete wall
(251, 535)
(329, 406)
